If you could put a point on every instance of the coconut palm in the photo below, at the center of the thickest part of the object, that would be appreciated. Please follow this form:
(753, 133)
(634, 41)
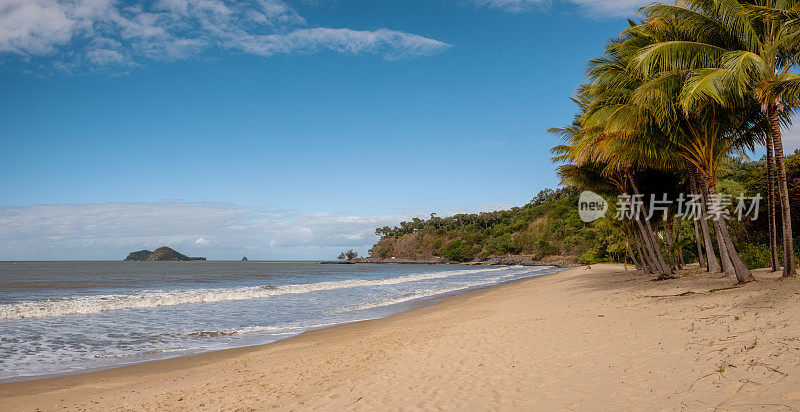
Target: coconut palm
(585, 165)
(592, 174)
(734, 50)
(618, 155)
(644, 102)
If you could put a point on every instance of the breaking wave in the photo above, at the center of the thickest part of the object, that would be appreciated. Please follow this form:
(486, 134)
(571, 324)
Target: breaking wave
(80, 305)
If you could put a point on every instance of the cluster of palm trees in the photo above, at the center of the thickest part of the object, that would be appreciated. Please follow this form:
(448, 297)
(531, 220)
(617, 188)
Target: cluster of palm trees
(675, 94)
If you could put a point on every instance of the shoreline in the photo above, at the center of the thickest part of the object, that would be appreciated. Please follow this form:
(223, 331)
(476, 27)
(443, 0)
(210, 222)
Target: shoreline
(564, 262)
(599, 338)
(412, 305)
(45, 382)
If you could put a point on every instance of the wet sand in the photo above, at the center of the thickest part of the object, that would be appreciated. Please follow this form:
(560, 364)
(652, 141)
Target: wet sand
(594, 339)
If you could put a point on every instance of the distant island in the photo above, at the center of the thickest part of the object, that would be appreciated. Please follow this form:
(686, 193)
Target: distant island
(161, 254)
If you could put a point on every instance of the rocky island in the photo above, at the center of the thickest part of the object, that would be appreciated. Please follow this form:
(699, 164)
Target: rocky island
(161, 254)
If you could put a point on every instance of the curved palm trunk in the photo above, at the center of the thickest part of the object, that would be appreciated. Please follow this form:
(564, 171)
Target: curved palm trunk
(724, 256)
(743, 274)
(632, 255)
(713, 264)
(650, 238)
(647, 266)
(649, 254)
(786, 216)
(628, 248)
(678, 224)
(773, 235)
(700, 257)
(673, 261)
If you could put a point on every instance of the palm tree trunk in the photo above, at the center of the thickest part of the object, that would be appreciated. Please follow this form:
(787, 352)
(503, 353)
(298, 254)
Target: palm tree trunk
(678, 224)
(700, 257)
(773, 235)
(713, 264)
(647, 267)
(647, 249)
(743, 274)
(724, 256)
(650, 238)
(673, 261)
(786, 215)
(632, 255)
(628, 249)
(649, 255)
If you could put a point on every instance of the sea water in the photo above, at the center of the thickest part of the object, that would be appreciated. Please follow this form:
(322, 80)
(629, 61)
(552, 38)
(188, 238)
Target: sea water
(65, 317)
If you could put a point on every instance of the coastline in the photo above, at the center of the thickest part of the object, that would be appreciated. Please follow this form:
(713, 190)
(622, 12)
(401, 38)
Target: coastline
(563, 262)
(564, 340)
(402, 307)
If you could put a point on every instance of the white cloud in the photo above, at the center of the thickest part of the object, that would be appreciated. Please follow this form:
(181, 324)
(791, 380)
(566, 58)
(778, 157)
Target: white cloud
(33, 26)
(612, 7)
(791, 138)
(122, 33)
(105, 57)
(392, 44)
(214, 230)
(513, 6)
(605, 8)
(108, 231)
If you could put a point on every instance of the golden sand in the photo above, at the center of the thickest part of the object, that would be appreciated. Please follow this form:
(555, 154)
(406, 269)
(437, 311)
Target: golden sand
(599, 339)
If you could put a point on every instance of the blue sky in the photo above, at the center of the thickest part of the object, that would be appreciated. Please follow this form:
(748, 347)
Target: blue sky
(276, 129)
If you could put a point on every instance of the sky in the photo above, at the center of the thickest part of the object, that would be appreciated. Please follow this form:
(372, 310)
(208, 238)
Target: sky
(277, 129)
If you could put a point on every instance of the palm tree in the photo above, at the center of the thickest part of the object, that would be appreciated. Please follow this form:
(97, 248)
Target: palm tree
(586, 165)
(641, 111)
(598, 177)
(734, 50)
(617, 155)
(702, 137)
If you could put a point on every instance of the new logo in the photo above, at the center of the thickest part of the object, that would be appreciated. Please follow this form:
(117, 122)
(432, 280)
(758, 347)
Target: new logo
(591, 206)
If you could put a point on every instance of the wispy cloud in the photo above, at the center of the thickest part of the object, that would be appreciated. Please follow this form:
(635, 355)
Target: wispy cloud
(392, 44)
(215, 230)
(106, 231)
(605, 8)
(611, 7)
(512, 6)
(103, 33)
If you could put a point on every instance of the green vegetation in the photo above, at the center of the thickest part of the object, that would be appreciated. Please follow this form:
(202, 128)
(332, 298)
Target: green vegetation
(549, 226)
(348, 256)
(753, 236)
(670, 107)
(675, 96)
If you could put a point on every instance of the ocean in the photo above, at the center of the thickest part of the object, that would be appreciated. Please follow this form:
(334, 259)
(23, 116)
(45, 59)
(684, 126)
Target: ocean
(67, 317)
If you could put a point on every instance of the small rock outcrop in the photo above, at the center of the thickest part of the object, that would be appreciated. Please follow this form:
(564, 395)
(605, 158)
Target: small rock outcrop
(161, 254)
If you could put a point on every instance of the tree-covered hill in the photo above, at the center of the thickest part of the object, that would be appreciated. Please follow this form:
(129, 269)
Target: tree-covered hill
(548, 227)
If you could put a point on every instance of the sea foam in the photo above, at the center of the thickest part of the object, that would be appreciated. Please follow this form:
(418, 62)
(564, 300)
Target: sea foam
(79, 305)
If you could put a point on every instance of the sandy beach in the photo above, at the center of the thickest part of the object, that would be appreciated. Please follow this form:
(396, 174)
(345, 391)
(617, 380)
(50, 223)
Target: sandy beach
(594, 339)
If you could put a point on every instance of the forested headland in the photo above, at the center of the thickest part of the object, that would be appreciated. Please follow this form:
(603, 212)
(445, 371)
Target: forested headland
(548, 227)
